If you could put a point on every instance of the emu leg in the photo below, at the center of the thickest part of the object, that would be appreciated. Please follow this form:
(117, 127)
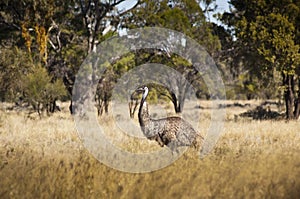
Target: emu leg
(158, 139)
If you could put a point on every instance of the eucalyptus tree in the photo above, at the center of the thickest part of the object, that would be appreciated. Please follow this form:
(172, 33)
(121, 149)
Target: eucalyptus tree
(184, 16)
(29, 29)
(100, 20)
(268, 34)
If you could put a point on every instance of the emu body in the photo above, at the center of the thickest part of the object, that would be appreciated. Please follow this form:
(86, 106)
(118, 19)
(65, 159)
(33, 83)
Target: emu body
(173, 132)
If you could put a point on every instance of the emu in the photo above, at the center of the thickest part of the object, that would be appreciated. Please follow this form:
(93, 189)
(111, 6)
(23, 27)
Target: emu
(173, 132)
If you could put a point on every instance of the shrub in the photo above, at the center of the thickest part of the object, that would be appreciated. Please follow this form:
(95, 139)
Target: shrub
(40, 91)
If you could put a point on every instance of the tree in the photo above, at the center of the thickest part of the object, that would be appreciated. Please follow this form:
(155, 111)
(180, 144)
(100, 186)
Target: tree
(100, 20)
(57, 34)
(37, 24)
(14, 64)
(185, 16)
(36, 28)
(269, 31)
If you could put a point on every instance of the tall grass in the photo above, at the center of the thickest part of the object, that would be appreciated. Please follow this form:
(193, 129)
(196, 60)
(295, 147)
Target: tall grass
(45, 159)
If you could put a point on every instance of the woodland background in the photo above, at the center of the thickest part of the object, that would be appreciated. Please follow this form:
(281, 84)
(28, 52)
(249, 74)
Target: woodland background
(43, 43)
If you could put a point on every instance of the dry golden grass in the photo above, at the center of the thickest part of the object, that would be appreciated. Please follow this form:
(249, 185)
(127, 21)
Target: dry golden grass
(45, 159)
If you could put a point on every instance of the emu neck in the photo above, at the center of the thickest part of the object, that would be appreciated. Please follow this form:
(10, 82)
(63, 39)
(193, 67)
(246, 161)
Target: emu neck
(143, 113)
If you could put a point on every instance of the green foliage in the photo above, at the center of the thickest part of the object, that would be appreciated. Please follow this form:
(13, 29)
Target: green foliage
(14, 63)
(267, 43)
(40, 91)
(124, 64)
(184, 16)
(274, 36)
(153, 96)
(269, 29)
(59, 34)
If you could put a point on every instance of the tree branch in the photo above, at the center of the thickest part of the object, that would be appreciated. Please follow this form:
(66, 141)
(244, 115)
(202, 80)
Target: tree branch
(55, 26)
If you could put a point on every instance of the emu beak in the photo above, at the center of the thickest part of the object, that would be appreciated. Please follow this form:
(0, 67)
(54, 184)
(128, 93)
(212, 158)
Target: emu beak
(136, 92)
(139, 90)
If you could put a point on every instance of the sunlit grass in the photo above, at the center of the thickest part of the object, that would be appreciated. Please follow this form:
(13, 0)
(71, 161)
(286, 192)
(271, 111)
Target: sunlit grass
(45, 159)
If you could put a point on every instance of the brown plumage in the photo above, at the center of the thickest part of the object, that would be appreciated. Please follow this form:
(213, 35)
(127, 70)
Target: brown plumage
(173, 132)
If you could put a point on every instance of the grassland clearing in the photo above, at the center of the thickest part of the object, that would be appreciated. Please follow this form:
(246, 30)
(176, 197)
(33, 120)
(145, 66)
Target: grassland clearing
(44, 158)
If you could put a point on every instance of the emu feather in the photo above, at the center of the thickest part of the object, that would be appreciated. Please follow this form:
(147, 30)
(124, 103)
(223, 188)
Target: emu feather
(173, 132)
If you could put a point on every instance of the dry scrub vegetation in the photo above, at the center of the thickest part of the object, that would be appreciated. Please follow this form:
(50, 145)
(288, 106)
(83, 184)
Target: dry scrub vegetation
(44, 158)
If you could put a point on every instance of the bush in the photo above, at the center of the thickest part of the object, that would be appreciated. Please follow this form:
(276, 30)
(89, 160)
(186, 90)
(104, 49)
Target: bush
(14, 63)
(41, 92)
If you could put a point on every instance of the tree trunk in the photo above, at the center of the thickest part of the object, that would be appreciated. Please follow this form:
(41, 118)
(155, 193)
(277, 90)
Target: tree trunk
(133, 104)
(297, 103)
(106, 103)
(178, 101)
(180, 104)
(297, 109)
(174, 101)
(71, 108)
(178, 108)
(288, 82)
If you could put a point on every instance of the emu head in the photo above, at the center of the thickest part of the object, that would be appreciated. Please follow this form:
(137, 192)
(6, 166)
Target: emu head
(134, 99)
(144, 90)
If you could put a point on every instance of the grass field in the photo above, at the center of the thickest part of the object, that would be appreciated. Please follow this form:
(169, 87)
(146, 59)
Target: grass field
(44, 158)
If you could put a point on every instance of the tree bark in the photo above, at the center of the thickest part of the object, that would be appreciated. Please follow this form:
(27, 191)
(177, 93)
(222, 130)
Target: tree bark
(288, 83)
(176, 103)
(297, 102)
